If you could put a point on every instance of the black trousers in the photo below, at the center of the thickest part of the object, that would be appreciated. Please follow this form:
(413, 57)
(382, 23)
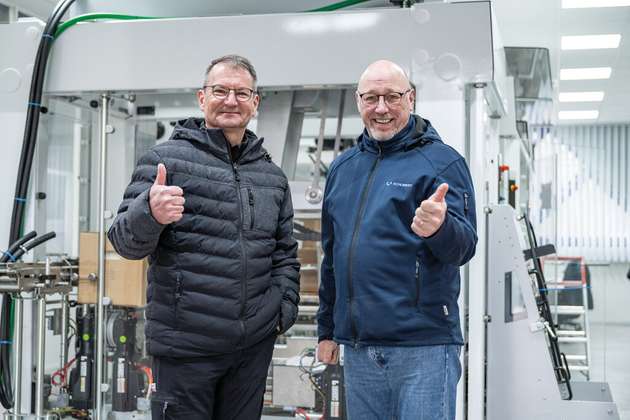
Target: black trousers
(224, 387)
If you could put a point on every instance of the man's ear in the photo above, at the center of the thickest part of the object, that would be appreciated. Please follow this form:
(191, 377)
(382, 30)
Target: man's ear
(201, 97)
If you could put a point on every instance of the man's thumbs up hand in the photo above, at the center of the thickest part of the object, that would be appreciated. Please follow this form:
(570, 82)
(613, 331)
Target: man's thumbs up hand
(437, 197)
(431, 213)
(160, 179)
(167, 203)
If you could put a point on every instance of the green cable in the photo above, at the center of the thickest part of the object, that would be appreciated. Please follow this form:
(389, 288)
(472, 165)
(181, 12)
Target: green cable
(337, 6)
(97, 16)
(117, 16)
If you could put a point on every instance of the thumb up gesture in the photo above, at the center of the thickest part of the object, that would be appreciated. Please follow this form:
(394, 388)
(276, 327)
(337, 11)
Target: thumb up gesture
(167, 203)
(430, 215)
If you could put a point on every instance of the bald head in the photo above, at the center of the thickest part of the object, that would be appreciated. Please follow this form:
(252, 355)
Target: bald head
(384, 71)
(385, 99)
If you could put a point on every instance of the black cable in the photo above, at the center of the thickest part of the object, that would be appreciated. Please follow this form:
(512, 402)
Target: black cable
(32, 117)
(561, 368)
(23, 178)
(32, 244)
(14, 246)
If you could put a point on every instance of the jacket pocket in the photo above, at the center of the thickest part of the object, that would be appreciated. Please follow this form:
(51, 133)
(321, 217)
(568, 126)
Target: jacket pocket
(252, 208)
(466, 196)
(247, 207)
(264, 204)
(417, 283)
(179, 289)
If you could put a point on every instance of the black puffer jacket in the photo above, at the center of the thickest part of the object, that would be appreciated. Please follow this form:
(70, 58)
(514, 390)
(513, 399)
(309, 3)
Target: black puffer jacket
(226, 275)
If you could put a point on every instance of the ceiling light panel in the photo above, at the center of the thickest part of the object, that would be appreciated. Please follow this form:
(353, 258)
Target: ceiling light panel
(581, 96)
(580, 4)
(578, 115)
(590, 42)
(587, 73)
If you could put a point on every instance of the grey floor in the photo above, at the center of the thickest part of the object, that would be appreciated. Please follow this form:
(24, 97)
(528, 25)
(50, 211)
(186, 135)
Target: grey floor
(610, 332)
(610, 346)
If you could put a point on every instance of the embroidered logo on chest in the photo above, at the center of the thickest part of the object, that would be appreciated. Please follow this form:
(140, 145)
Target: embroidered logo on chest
(398, 184)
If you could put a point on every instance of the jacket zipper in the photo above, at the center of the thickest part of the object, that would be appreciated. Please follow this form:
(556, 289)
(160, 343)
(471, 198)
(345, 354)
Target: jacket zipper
(178, 288)
(466, 203)
(237, 178)
(178, 294)
(355, 235)
(251, 207)
(417, 283)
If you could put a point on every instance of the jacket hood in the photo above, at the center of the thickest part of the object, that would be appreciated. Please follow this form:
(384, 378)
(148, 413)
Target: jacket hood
(194, 130)
(417, 132)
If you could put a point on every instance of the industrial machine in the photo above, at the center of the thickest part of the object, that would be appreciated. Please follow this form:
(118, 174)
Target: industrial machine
(97, 94)
(521, 338)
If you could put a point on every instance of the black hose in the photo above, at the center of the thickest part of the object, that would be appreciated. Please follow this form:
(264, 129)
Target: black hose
(32, 244)
(14, 247)
(21, 188)
(32, 117)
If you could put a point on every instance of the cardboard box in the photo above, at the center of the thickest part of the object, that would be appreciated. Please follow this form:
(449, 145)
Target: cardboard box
(309, 282)
(125, 280)
(307, 256)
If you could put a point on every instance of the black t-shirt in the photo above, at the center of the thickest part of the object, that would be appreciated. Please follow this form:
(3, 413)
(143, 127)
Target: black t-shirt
(235, 151)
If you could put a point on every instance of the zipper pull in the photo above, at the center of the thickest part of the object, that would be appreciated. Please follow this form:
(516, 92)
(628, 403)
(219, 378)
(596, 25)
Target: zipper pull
(251, 197)
(466, 202)
(178, 288)
(237, 177)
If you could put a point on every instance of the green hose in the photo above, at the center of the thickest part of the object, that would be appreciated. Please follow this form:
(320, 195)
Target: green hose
(337, 6)
(117, 16)
(97, 16)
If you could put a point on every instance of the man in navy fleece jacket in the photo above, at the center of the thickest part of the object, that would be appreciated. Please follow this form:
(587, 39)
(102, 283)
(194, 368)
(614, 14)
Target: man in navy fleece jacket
(398, 220)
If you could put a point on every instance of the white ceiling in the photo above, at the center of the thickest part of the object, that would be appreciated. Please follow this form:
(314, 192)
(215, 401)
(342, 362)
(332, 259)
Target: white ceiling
(541, 23)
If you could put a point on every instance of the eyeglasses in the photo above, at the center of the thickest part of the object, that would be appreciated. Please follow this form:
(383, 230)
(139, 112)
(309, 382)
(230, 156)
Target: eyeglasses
(222, 92)
(391, 98)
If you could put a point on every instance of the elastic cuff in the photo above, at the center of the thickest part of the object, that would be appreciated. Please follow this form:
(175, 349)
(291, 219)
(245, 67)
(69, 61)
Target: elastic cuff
(442, 234)
(140, 215)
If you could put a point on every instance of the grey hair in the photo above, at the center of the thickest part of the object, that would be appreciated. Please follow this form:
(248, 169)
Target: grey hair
(234, 61)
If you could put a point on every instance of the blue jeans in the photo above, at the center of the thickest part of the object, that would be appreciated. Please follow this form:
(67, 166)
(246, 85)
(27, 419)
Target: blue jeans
(401, 383)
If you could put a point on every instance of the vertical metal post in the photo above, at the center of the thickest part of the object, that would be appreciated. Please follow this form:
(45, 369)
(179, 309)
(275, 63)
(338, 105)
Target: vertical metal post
(342, 103)
(40, 362)
(17, 357)
(473, 384)
(64, 330)
(41, 349)
(587, 328)
(314, 193)
(555, 232)
(100, 290)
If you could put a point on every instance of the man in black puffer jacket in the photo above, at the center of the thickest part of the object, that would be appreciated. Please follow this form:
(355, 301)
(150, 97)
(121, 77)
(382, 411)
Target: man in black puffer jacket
(214, 215)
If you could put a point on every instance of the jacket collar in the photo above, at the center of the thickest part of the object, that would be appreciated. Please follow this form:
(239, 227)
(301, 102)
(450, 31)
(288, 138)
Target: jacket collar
(417, 132)
(194, 130)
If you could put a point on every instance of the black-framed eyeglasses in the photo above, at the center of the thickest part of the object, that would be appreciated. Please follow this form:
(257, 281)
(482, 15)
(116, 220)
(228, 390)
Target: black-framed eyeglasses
(391, 98)
(222, 92)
